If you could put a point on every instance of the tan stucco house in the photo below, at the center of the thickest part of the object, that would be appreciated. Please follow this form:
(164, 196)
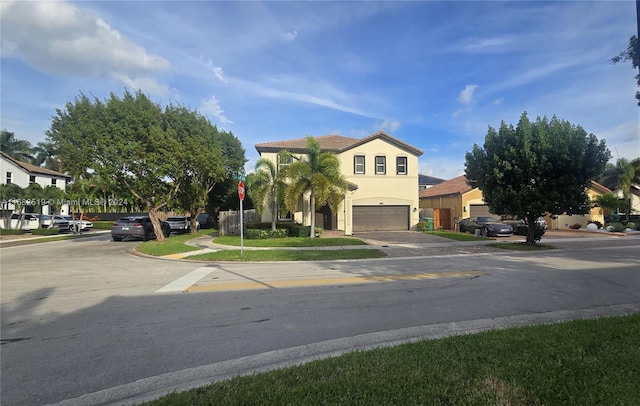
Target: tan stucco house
(382, 172)
(452, 200)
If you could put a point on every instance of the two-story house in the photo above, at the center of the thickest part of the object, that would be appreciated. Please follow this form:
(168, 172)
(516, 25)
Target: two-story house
(382, 172)
(23, 174)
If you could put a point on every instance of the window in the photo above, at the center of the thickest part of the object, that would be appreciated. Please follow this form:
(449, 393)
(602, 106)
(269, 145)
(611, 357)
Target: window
(381, 165)
(358, 164)
(54, 182)
(32, 178)
(9, 177)
(286, 217)
(401, 165)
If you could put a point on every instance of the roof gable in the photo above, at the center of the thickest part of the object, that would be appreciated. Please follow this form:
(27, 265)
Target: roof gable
(27, 167)
(333, 143)
(455, 186)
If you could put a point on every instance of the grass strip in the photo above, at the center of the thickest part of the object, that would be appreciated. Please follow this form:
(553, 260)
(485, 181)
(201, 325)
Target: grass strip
(584, 362)
(288, 255)
(290, 242)
(172, 245)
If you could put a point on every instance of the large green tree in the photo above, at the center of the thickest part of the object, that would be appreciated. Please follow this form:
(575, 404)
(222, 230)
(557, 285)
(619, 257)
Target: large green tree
(537, 167)
(224, 194)
(632, 53)
(125, 139)
(203, 164)
(266, 186)
(317, 174)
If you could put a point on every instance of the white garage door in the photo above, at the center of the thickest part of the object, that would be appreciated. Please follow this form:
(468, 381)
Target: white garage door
(380, 218)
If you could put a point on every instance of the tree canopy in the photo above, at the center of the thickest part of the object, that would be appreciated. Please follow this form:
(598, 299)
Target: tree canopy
(536, 168)
(151, 152)
(632, 53)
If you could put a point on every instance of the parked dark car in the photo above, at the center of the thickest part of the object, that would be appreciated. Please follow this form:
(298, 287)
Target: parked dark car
(520, 226)
(181, 224)
(488, 226)
(137, 227)
(205, 220)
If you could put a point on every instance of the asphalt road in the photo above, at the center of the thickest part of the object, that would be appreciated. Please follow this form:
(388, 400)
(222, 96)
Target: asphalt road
(84, 322)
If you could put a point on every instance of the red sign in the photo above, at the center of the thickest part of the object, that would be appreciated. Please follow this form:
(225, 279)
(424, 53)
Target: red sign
(241, 190)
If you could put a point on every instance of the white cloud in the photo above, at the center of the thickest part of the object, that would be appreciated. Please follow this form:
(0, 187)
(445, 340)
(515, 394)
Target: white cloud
(487, 44)
(466, 96)
(61, 39)
(290, 36)
(498, 101)
(212, 106)
(390, 125)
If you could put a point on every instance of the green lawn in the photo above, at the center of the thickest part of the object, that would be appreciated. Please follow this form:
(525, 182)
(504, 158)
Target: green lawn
(585, 362)
(172, 245)
(234, 240)
(288, 255)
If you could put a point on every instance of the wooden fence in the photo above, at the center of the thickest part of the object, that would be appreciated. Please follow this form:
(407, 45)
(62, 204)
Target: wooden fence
(229, 221)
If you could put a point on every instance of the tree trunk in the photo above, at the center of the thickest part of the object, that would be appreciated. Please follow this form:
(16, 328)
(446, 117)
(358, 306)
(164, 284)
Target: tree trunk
(194, 218)
(531, 230)
(312, 208)
(157, 229)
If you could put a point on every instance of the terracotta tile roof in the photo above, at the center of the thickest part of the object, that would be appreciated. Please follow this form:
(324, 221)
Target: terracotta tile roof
(455, 186)
(333, 143)
(34, 169)
(599, 188)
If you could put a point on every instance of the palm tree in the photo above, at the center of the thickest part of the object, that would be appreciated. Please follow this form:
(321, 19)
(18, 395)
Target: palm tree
(266, 186)
(319, 175)
(622, 175)
(608, 203)
(15, 148)
(46, 156)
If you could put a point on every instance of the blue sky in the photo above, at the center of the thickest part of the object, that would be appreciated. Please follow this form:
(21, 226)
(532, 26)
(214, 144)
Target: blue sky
(433, 74)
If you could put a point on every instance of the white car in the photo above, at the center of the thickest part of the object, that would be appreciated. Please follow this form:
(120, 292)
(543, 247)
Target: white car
(23, 221)
(84, 224)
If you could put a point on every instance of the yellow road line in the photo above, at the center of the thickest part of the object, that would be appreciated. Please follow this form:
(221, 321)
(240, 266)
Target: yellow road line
(326, 281)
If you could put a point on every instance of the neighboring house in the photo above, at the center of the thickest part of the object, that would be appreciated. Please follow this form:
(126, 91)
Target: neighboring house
(382, 172)
(23, 174)
(634, 191)
(452, 200)
(425, 181)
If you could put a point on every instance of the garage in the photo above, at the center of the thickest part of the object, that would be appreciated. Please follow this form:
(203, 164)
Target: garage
(380, 218)
(480, 210)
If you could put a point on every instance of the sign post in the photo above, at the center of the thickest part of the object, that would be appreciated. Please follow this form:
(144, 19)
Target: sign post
(241, 196)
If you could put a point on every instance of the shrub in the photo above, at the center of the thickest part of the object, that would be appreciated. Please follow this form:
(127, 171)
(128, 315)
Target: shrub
(631, 225)
(11, 232)
(617, 227)
(423, 226)
(256, 234)
(575, 226)
(279, 233)
(45, 231)
(304, 231)
(292, 228)
(597, 223)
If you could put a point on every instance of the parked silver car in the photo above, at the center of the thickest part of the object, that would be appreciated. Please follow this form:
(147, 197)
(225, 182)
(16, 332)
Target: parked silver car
(136, 227)
(181, 224)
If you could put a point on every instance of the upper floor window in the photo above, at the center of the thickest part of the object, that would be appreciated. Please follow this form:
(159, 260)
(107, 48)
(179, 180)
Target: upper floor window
(381, 165)
(9, 177)
(358, 164)
(54, 182)
(32, 178)
(401, 165)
